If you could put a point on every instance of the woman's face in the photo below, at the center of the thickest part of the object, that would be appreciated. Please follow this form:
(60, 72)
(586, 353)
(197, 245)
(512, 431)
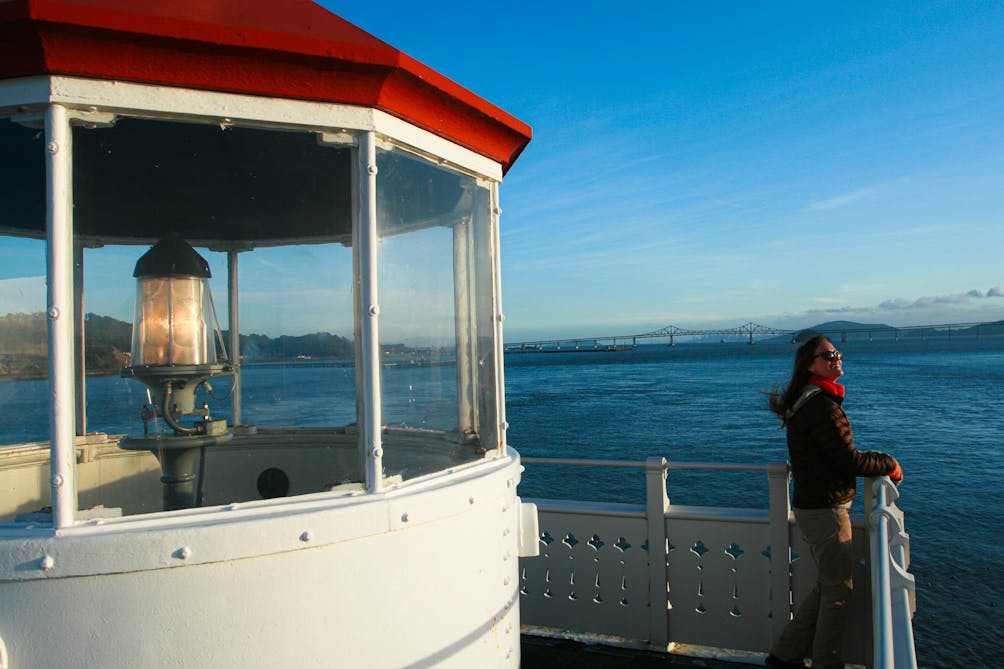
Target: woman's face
(828, 369)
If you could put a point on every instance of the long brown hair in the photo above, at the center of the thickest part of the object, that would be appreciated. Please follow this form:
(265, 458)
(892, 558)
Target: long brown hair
(780, 400)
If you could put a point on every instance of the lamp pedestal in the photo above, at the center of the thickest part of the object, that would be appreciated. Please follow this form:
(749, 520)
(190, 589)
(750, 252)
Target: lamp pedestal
(179, 459)
(180, 455)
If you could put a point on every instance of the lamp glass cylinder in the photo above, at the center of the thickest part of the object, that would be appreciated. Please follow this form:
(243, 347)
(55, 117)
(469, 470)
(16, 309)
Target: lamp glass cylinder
(170, 327)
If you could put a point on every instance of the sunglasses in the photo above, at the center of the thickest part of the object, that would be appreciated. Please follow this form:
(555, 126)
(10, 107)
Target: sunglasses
(829, 355)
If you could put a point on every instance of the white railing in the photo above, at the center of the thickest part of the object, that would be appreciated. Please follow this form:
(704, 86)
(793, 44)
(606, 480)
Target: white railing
(893, 588)
(725, 577)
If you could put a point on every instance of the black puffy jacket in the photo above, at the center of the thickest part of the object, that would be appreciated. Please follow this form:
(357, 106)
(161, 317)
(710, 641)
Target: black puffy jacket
(824, 462)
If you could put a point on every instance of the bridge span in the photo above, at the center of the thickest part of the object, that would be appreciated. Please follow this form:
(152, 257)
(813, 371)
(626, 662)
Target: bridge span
(749, 332)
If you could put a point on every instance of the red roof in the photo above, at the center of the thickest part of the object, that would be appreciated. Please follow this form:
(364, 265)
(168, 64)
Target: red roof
(288, 48)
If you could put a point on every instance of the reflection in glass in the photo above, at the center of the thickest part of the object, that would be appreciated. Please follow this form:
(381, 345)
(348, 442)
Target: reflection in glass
(437, 304)
(283, 203)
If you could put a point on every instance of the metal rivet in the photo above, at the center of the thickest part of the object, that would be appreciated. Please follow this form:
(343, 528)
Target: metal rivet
(53, 313)
(501, 317)
(374, 310)
(306, 536)
(52, 147)
(404, 517)
(57, 480)
(47, 562)
(372, 169)
(185, 553)
(470, 500)
(377, 452)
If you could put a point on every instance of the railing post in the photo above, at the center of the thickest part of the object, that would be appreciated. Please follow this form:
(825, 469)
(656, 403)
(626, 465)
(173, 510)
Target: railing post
(893, 588)
(780, 547)
(657, 503)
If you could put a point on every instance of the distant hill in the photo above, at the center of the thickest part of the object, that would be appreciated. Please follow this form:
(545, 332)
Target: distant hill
(24, 345)
(286, 347)
(832, 327)
(985, 329)
(882, 330)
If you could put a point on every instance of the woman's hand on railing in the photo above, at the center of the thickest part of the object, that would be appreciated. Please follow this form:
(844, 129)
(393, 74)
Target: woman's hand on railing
(896, 475)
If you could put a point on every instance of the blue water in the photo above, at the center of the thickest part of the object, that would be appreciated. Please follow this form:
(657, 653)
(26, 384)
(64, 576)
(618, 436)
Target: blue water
(937, 406)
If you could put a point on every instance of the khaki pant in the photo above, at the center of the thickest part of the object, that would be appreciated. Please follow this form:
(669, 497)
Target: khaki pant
(818, 626)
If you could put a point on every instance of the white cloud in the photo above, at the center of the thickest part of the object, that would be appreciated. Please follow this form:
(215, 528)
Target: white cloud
(928, 309)
(841, 200)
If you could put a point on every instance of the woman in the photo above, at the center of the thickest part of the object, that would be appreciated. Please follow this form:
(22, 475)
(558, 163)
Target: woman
(824, 465)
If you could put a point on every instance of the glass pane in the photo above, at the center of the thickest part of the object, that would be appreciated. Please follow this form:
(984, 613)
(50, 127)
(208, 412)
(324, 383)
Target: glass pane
(297, 351)
(24, 387)
(282, 202)
(434, 269)
(24, 366)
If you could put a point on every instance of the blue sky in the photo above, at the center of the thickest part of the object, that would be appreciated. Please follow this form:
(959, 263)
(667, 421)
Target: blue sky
(713, 163)
(705, 164)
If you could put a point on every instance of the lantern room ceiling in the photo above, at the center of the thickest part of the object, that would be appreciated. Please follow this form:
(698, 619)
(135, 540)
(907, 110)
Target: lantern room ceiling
(139, 180)
(291, 49)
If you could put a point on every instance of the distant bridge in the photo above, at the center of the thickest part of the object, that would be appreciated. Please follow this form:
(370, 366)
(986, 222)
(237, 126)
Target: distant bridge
(748, 331)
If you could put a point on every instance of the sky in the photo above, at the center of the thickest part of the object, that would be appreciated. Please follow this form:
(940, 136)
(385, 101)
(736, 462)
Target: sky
(708, 164)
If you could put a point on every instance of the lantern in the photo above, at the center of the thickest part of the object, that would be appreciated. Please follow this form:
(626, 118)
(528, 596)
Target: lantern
(173, 353)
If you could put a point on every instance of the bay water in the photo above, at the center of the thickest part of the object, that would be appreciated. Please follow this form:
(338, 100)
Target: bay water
(937, 406)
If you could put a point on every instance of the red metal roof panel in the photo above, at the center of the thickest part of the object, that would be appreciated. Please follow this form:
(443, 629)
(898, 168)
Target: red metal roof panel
(292, 49)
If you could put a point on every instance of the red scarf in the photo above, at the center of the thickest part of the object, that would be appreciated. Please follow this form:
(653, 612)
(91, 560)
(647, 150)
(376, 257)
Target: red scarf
(830, 386)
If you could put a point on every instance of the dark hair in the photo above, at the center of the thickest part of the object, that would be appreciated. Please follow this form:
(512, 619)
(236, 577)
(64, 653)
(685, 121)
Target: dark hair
(780, 400)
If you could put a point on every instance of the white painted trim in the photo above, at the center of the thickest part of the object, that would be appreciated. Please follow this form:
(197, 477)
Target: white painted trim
(370, 322)
(498, 316)
(152, 101)
(60, 308)
(237, 531)
(234, 328)
(435, 147)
